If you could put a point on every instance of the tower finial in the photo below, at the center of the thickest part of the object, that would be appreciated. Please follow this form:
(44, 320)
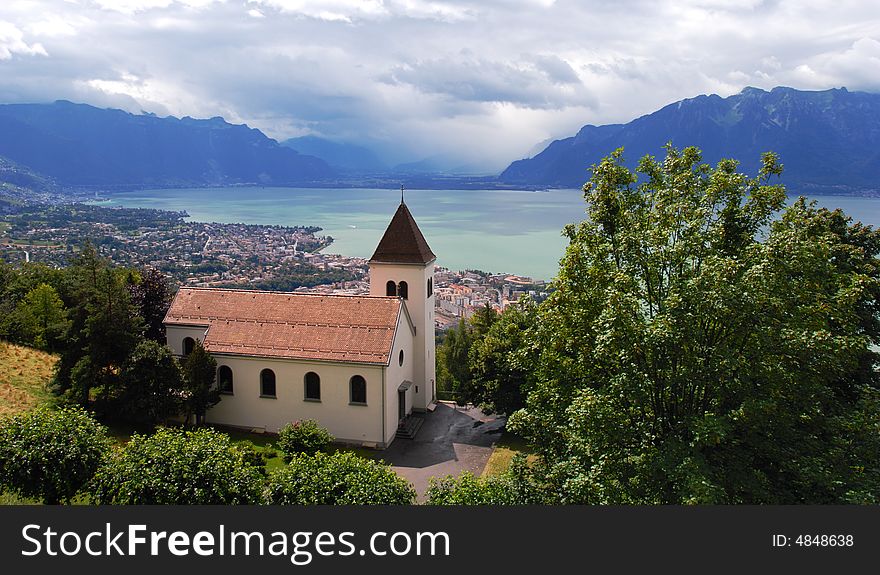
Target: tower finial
(401, 193)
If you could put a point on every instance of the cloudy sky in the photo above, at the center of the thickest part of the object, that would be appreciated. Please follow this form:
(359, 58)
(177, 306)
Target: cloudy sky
(484, 81)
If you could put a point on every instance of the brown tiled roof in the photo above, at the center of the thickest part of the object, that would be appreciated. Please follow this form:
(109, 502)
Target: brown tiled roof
(403, 242)
(351, 329)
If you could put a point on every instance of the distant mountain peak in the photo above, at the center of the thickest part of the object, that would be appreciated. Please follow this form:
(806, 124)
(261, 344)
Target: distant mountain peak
(828, 140)
(81, 145)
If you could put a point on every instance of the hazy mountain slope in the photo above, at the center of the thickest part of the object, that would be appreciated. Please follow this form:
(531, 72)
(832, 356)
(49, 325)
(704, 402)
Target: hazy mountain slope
(79, 144)
(828, 140)
(341, 156)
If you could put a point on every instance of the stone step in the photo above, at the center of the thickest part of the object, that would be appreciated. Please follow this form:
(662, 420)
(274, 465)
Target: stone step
(410, 426)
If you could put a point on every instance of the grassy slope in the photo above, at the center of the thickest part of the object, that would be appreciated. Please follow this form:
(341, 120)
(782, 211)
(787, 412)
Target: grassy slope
(24, 375)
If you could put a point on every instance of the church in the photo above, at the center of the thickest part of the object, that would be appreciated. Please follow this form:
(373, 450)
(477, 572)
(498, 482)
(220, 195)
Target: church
(358, 365)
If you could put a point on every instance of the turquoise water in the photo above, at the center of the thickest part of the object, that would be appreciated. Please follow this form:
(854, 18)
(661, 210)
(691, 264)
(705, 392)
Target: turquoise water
(492, 230)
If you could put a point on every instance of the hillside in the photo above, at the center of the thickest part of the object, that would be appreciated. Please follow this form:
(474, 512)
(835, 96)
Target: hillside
(80, 145)
(24, 375)
(829, 141)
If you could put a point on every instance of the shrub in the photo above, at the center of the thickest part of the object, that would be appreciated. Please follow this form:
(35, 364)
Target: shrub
(151, 384)
(252, 455)
(337, 479)
(51, 454)
(304, 436)
(519, 485)
(177, 467)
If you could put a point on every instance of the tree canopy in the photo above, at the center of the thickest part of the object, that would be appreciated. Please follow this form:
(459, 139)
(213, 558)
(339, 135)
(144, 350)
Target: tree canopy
(199, 391)
(151, 383)
(704, 343)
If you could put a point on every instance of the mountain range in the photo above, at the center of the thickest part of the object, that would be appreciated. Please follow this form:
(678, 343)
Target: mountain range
(80, 145)
(828, 141)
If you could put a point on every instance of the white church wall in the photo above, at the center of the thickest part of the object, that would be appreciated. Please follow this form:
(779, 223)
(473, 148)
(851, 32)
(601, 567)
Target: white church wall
(421, 310)
(175, 335)
(345, 421)
(397, 374)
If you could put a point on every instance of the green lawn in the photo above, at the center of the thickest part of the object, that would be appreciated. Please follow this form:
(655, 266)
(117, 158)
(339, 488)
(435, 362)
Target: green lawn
(508, 446)
(265, 443)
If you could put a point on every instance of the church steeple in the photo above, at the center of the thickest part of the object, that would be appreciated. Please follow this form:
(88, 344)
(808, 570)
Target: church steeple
(403, 266)
(403, 242)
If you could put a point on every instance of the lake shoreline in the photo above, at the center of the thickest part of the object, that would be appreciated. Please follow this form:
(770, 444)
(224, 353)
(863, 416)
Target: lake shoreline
(505, 231)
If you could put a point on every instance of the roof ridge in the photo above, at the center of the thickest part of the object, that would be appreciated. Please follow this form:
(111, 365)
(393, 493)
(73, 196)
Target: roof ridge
(283, 322)
(287, 293)
(339, 328)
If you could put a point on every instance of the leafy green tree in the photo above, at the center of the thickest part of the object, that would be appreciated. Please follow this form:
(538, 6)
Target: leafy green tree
(152, 384)
(342, 478)
(16, 282)
(178, 467)
(199, 391)
(51, 454)
(105, 328)
(303, 436)
(500, 360)
(455, 371)
(43, 318)
(482, 321)
(455, 352)
(442, 374)
(705, 345)
(151, 297)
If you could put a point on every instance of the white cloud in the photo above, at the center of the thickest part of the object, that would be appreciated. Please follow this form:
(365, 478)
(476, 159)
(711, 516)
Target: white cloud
(132, 6)
(859, 64)
(135, 6)
(352, 11)
(12, 42)
(328, 10)
(52, 26)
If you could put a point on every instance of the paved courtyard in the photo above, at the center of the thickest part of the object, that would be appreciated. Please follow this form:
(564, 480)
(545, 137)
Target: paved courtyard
(452, 439)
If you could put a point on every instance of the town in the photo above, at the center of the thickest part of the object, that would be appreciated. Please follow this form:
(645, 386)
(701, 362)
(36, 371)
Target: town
(200, 254)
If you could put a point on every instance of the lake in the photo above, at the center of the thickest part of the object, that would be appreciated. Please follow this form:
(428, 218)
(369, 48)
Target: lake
(492, 230)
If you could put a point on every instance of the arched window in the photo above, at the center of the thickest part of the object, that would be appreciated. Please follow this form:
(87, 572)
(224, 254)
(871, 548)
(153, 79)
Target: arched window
(430, 287)
(402, 290)
(267, 383)
(189, 344)
(224, 379)
(400, 358)
(358, 389)
(390, 288)
(313, 386)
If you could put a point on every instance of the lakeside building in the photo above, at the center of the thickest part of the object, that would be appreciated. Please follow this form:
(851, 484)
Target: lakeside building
(359, 365)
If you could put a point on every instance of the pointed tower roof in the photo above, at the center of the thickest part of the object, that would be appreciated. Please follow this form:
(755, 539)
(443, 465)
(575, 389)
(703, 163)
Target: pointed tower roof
(403, 242)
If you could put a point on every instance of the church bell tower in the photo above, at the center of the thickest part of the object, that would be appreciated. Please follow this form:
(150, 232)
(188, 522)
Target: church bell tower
(403, 266)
